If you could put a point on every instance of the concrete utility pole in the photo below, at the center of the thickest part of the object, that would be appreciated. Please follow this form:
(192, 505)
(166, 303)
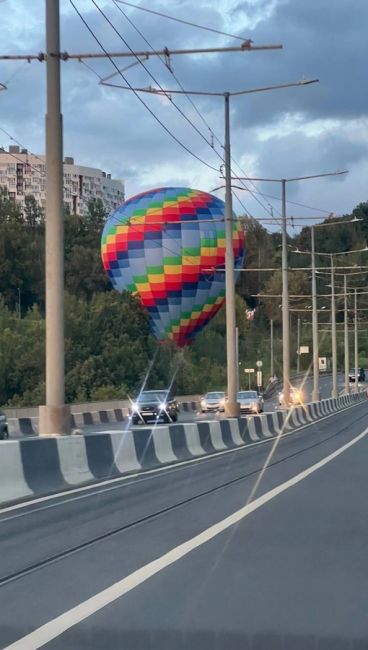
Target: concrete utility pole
(232, 406)
(272, 369)
(316, 394)
(346, 339)
(285, 296)
(334, 392)
(285, 304)
(54, 416)
(237, 359)
(356, 340)
(298, 351)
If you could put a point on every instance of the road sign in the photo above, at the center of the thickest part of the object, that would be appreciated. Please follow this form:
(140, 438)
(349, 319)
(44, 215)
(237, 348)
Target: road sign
(259, 364)
(249, 370)
(304, 349)
(259, 378)
(322, 363)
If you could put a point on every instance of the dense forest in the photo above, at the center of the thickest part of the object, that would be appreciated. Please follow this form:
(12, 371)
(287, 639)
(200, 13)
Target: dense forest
(109, 348)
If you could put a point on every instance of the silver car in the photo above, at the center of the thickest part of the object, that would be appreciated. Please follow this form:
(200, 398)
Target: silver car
(213, 401)
(250, 401)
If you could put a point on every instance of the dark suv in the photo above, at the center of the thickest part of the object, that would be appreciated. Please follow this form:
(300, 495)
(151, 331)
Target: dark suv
(4, 431)
(360, 373)
(154, 406)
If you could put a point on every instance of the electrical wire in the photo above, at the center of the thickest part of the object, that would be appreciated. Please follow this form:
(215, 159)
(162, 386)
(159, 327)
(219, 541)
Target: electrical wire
(184, 22)
(166, 129)
(168, 67)
(213, 135)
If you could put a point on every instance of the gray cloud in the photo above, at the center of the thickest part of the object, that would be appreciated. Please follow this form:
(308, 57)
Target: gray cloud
(110, 128)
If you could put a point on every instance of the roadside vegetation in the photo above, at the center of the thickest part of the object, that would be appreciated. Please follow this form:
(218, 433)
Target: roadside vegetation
(108, 343)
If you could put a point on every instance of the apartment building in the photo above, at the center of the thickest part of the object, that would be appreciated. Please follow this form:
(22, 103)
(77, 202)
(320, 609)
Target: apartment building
(24, 173)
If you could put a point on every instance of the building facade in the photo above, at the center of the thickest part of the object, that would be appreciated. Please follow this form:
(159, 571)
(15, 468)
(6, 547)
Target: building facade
(24, 173)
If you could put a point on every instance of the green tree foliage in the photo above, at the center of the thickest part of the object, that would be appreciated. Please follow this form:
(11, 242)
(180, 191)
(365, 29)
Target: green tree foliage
(109, 350)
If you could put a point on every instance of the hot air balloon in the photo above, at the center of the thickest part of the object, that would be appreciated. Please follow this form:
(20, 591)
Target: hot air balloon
(167, 246)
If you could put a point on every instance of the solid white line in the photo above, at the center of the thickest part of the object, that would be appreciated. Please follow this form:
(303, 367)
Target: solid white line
(75, 615)
(95, 487)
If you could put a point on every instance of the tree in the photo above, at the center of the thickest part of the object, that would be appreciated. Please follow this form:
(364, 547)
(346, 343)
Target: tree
(33, 214)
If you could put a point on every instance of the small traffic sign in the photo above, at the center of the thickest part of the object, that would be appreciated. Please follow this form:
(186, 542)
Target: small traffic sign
(259, 378)
(259, 364)
(249, 370)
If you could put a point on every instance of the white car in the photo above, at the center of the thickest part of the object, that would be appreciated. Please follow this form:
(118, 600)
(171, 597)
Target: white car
(213, 401)
(296, 397)
(250, 401)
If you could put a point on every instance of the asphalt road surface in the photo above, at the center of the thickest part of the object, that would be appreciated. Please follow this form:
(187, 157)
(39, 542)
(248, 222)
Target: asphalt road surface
(218, 553)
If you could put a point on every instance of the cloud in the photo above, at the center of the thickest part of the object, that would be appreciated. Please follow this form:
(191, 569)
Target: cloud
(284, 132)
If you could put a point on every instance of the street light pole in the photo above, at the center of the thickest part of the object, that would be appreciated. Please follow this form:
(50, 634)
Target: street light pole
(334, 393)
(272, 370)
(346, 339)
(316, 395)
(298, 346)
(356, 339)
(54, 416)
(232, 406)
(285, 304)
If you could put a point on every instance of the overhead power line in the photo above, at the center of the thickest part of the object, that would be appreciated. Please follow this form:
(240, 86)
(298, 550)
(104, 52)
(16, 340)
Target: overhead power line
(109, 56)
(184, 22)
(199, 113)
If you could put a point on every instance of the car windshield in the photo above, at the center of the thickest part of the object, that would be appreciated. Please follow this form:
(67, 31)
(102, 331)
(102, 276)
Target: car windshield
(214, 395)
(247, 394)
(152, 396)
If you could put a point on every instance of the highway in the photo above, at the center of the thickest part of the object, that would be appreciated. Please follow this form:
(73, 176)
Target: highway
(218, 553)
(271, 404)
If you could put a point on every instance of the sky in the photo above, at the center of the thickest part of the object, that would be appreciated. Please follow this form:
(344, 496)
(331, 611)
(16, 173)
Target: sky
(281, 133)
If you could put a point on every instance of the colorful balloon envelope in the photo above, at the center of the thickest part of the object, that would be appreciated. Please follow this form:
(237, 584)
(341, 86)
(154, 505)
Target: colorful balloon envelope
(167, 246)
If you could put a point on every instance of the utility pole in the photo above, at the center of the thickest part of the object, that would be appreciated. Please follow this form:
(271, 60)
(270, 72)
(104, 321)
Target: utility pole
(272, 369)
(298, 351)
(316, 394)
(334, 392)
(232, 406)
(54, 416)
(346, 339)
(285, 304)
(237, 359)
(356, 339)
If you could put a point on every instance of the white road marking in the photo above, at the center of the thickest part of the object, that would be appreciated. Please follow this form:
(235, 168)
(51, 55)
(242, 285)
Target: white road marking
(95, 487)
(75, 615)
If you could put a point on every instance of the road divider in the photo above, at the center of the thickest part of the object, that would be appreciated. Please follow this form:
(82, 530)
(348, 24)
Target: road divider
(41, 466)
(28, 426)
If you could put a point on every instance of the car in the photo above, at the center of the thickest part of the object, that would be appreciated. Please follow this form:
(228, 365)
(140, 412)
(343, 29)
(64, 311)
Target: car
(296, 397)
(213, 401)
(4, 430)
(154, 406)
(250, 401)
(361, 375)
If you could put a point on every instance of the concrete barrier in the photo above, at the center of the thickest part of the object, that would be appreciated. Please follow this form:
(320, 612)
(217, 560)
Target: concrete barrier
(28, 426)
(41, 466)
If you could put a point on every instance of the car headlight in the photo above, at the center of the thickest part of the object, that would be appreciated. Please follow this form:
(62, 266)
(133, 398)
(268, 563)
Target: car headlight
(203, 402)
(222, 401)
(135, 407)
(254, 406)
(163, 406)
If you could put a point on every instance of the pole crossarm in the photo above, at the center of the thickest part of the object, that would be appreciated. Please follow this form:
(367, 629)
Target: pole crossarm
(246, 46)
